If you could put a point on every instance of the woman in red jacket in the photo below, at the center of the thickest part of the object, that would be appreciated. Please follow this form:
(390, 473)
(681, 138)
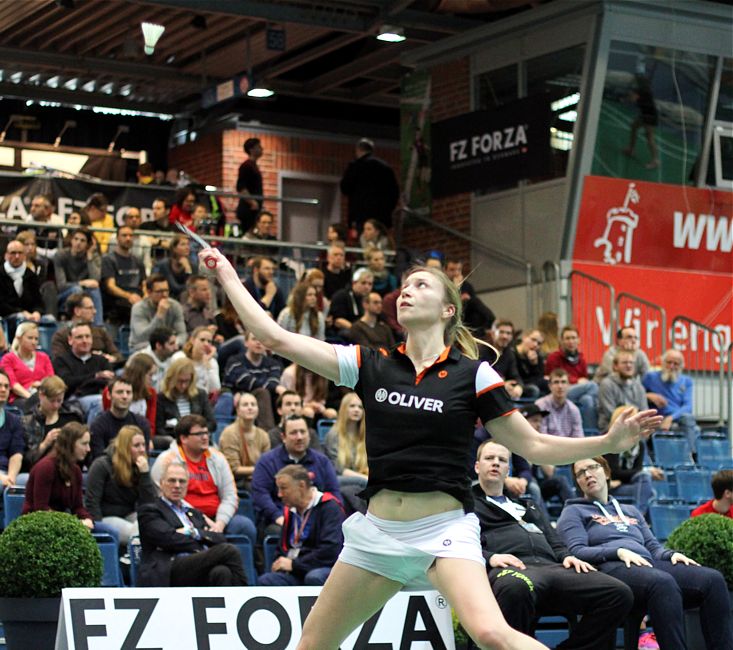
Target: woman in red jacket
(26, 366)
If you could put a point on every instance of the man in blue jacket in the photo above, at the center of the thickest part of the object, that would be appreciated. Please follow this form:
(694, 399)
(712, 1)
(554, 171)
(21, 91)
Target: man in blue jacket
(311, 538)
(293, 451)
(531, 571)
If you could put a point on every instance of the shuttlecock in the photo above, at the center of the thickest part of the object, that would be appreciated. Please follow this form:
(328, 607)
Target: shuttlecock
(151, 34)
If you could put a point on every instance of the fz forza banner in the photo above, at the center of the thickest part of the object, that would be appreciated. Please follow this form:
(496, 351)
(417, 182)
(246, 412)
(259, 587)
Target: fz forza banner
(228, 618)
(473, 151)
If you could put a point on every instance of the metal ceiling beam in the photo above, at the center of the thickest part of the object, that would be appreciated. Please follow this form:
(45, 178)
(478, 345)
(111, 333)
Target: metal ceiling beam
(44, 93)
(311, 54)
(297, 89)
(64, 62)
(343, 18)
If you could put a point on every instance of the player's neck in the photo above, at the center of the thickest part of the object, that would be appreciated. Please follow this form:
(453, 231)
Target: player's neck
(422, 346)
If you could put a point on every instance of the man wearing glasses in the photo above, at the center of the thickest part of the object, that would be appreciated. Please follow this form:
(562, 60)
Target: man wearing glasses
(211, 486)
(627, 339)
(155, 310)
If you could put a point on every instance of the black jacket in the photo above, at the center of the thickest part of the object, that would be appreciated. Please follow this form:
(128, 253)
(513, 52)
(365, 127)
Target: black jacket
(161, 543)
(35, 429)
(502, 533)
(167, 410)
(79, 376)
(372, 190)
(11, 302)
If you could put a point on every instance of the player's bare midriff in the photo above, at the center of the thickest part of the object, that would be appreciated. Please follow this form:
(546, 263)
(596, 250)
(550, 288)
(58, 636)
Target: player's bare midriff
(406, 506)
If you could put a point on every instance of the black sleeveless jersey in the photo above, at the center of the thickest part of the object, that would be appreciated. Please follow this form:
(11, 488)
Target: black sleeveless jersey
(419, 429)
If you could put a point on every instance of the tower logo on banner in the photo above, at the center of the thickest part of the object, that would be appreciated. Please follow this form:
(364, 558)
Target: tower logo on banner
(618, 237)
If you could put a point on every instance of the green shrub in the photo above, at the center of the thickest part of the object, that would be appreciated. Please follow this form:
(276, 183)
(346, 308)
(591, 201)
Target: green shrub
(707, 539)
(43, 552)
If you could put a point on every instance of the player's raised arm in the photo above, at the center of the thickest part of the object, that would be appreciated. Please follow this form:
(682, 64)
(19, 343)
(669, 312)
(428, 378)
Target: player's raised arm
(306, 351)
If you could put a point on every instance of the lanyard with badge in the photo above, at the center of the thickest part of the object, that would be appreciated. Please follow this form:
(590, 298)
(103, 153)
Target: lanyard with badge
(621, 526)
(517, 511)
(295, 550)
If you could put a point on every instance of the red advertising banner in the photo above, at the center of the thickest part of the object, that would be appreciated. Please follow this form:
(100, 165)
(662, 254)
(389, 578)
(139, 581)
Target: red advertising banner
(670, 245)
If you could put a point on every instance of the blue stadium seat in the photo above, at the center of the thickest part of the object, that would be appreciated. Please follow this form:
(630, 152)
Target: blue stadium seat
(670, 451)
(45, 334)
(693, 483)
(221, 424)
(666, 516)
(112, 576)
(134, 550)
(123, 340)
(270, 548)
(246, 506)
(324, 426)
(13, 498)
(244, 546)
(713, 452)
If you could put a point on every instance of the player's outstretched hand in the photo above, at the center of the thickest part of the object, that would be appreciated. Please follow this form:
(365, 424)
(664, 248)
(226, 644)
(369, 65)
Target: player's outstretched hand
(628, 429)
(213, 261)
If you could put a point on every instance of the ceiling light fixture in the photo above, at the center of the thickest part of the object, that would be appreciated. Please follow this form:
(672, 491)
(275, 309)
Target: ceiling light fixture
(260, 92)
(391, 34)
(151, 34)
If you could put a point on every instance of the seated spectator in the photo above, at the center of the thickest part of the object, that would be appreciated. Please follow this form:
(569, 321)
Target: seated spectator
(155, 247)
(85, 374)
(182, 208)
(502, 337)
(105, 427)
(211, 483)
(617, 540)
(384, 281)
(47, 416)
(548, 327)
(55, 481)
(627, 340)
(369, 330)
(336, 273)
(79, 269)
(670, 391)
(293, 450)
(228, 326)
(346, 304)
(564, 417)
(262, 231)
(197, 311)
(311, 537)
(531, 571)
(374, 235)
(25, 365)
(261, 284)
(12, 442)
(179, 397)
(180, 548)
(290, 403)
(583, 392)
(200, 349)
(315, 279)
(119, 483)
(622, 386)
(629, 474)
(122, 278)
(722, 503)
(254, 371)
(312, 387)
(530, 364)
(96, 210)
(43, 268)
(476, 315)
(20, 289)
(176, 268)
(389, 312)
(41, 210)
(139, 371)
(156, 309)
(80, 308)
(345, 443)
(301, 314)
(163, 345)
(242, 442)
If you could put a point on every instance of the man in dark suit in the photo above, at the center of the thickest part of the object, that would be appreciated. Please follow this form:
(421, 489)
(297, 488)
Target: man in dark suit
(178, 547)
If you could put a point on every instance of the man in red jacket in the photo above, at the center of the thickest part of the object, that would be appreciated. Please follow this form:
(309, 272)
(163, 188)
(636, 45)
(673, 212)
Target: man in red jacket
(583, 392)
(722, 504)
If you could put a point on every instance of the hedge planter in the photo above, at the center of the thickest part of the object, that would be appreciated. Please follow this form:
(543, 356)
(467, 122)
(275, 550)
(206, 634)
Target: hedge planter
(30, 623)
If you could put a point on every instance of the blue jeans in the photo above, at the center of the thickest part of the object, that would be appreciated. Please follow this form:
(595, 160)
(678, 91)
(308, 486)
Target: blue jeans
(241, 525)
(665, 590)
(91, 405)
(224, 407)
(95, 294)
(314, 578)
(585, 397)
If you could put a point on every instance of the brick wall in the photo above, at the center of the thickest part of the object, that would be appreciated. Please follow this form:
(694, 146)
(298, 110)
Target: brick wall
(450, 96)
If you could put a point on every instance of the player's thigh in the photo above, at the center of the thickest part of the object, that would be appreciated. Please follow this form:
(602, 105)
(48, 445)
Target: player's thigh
(350, 596)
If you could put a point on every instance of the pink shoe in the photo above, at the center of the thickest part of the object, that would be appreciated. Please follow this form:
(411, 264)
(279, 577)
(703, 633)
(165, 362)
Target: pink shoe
(648, 641)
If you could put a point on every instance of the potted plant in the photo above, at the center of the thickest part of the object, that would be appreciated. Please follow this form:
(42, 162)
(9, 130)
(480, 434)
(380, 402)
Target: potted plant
(42, 553)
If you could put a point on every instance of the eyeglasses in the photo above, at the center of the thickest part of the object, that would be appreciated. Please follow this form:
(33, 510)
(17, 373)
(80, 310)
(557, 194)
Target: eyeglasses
(591, 468)
(198, 433)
